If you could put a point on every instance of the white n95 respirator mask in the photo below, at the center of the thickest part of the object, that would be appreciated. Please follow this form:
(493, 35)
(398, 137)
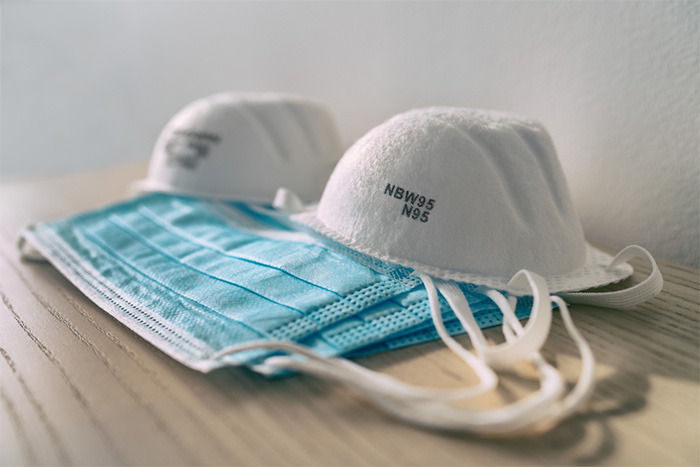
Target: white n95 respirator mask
(244, 146)
(460, 194)
(478, 197)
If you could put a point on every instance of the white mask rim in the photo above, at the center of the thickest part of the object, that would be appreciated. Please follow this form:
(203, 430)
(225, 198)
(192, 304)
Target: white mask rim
(593, 273)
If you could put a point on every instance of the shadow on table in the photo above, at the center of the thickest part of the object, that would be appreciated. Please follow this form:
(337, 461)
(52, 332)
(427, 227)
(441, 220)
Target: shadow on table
(586, 438)
(587, 435)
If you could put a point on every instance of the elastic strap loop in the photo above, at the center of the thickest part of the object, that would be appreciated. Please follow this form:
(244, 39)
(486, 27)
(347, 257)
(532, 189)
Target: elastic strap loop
(461, 308)
(627, 298)
(586, 382)
(528, 340)
(486, 375)
(433, 407)
(426, 407)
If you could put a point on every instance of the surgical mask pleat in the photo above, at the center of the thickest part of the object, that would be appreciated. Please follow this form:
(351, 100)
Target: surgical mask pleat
(330, 310)
(215, 294)
(375, 324)
(355, 302)
(362, 330)
(286, 290)
(187, 215)
(320, 266)
(411, 316)
(189, 317)
(310, 263)
(485, 315)
(156, 253)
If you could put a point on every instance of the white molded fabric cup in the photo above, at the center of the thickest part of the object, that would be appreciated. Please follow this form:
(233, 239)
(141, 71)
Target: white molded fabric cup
(461, 194)
(480, 197)
(244, 146)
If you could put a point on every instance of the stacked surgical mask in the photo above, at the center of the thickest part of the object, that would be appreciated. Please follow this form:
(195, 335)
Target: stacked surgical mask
(437, 222)
(194, 276)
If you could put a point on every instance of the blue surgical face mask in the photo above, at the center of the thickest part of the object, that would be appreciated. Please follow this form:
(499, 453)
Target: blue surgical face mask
(405, 320)
(194, 277)
(179, 273)
(485, 313)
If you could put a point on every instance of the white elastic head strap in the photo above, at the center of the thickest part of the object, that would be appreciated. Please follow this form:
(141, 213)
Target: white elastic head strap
(468, 322)
(423, 406)
(507, 354)
(532, 408)
(486, 375)
(628, 298)
(374, 384)
(586, 381)
(559, 409)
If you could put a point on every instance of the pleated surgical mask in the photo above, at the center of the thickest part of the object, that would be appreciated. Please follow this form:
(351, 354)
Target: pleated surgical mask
(243, 146)
(193, 276)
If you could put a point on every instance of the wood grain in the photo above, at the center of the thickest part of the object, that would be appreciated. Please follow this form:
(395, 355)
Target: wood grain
(77, 387)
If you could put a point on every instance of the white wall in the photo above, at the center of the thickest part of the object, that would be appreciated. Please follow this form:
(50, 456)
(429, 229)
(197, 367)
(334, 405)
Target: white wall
(90, 84)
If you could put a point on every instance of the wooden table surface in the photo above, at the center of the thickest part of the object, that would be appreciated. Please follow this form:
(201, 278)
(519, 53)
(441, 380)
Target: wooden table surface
(77, 387)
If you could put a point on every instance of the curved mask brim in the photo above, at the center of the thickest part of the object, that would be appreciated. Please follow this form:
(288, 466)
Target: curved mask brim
(595, 272)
